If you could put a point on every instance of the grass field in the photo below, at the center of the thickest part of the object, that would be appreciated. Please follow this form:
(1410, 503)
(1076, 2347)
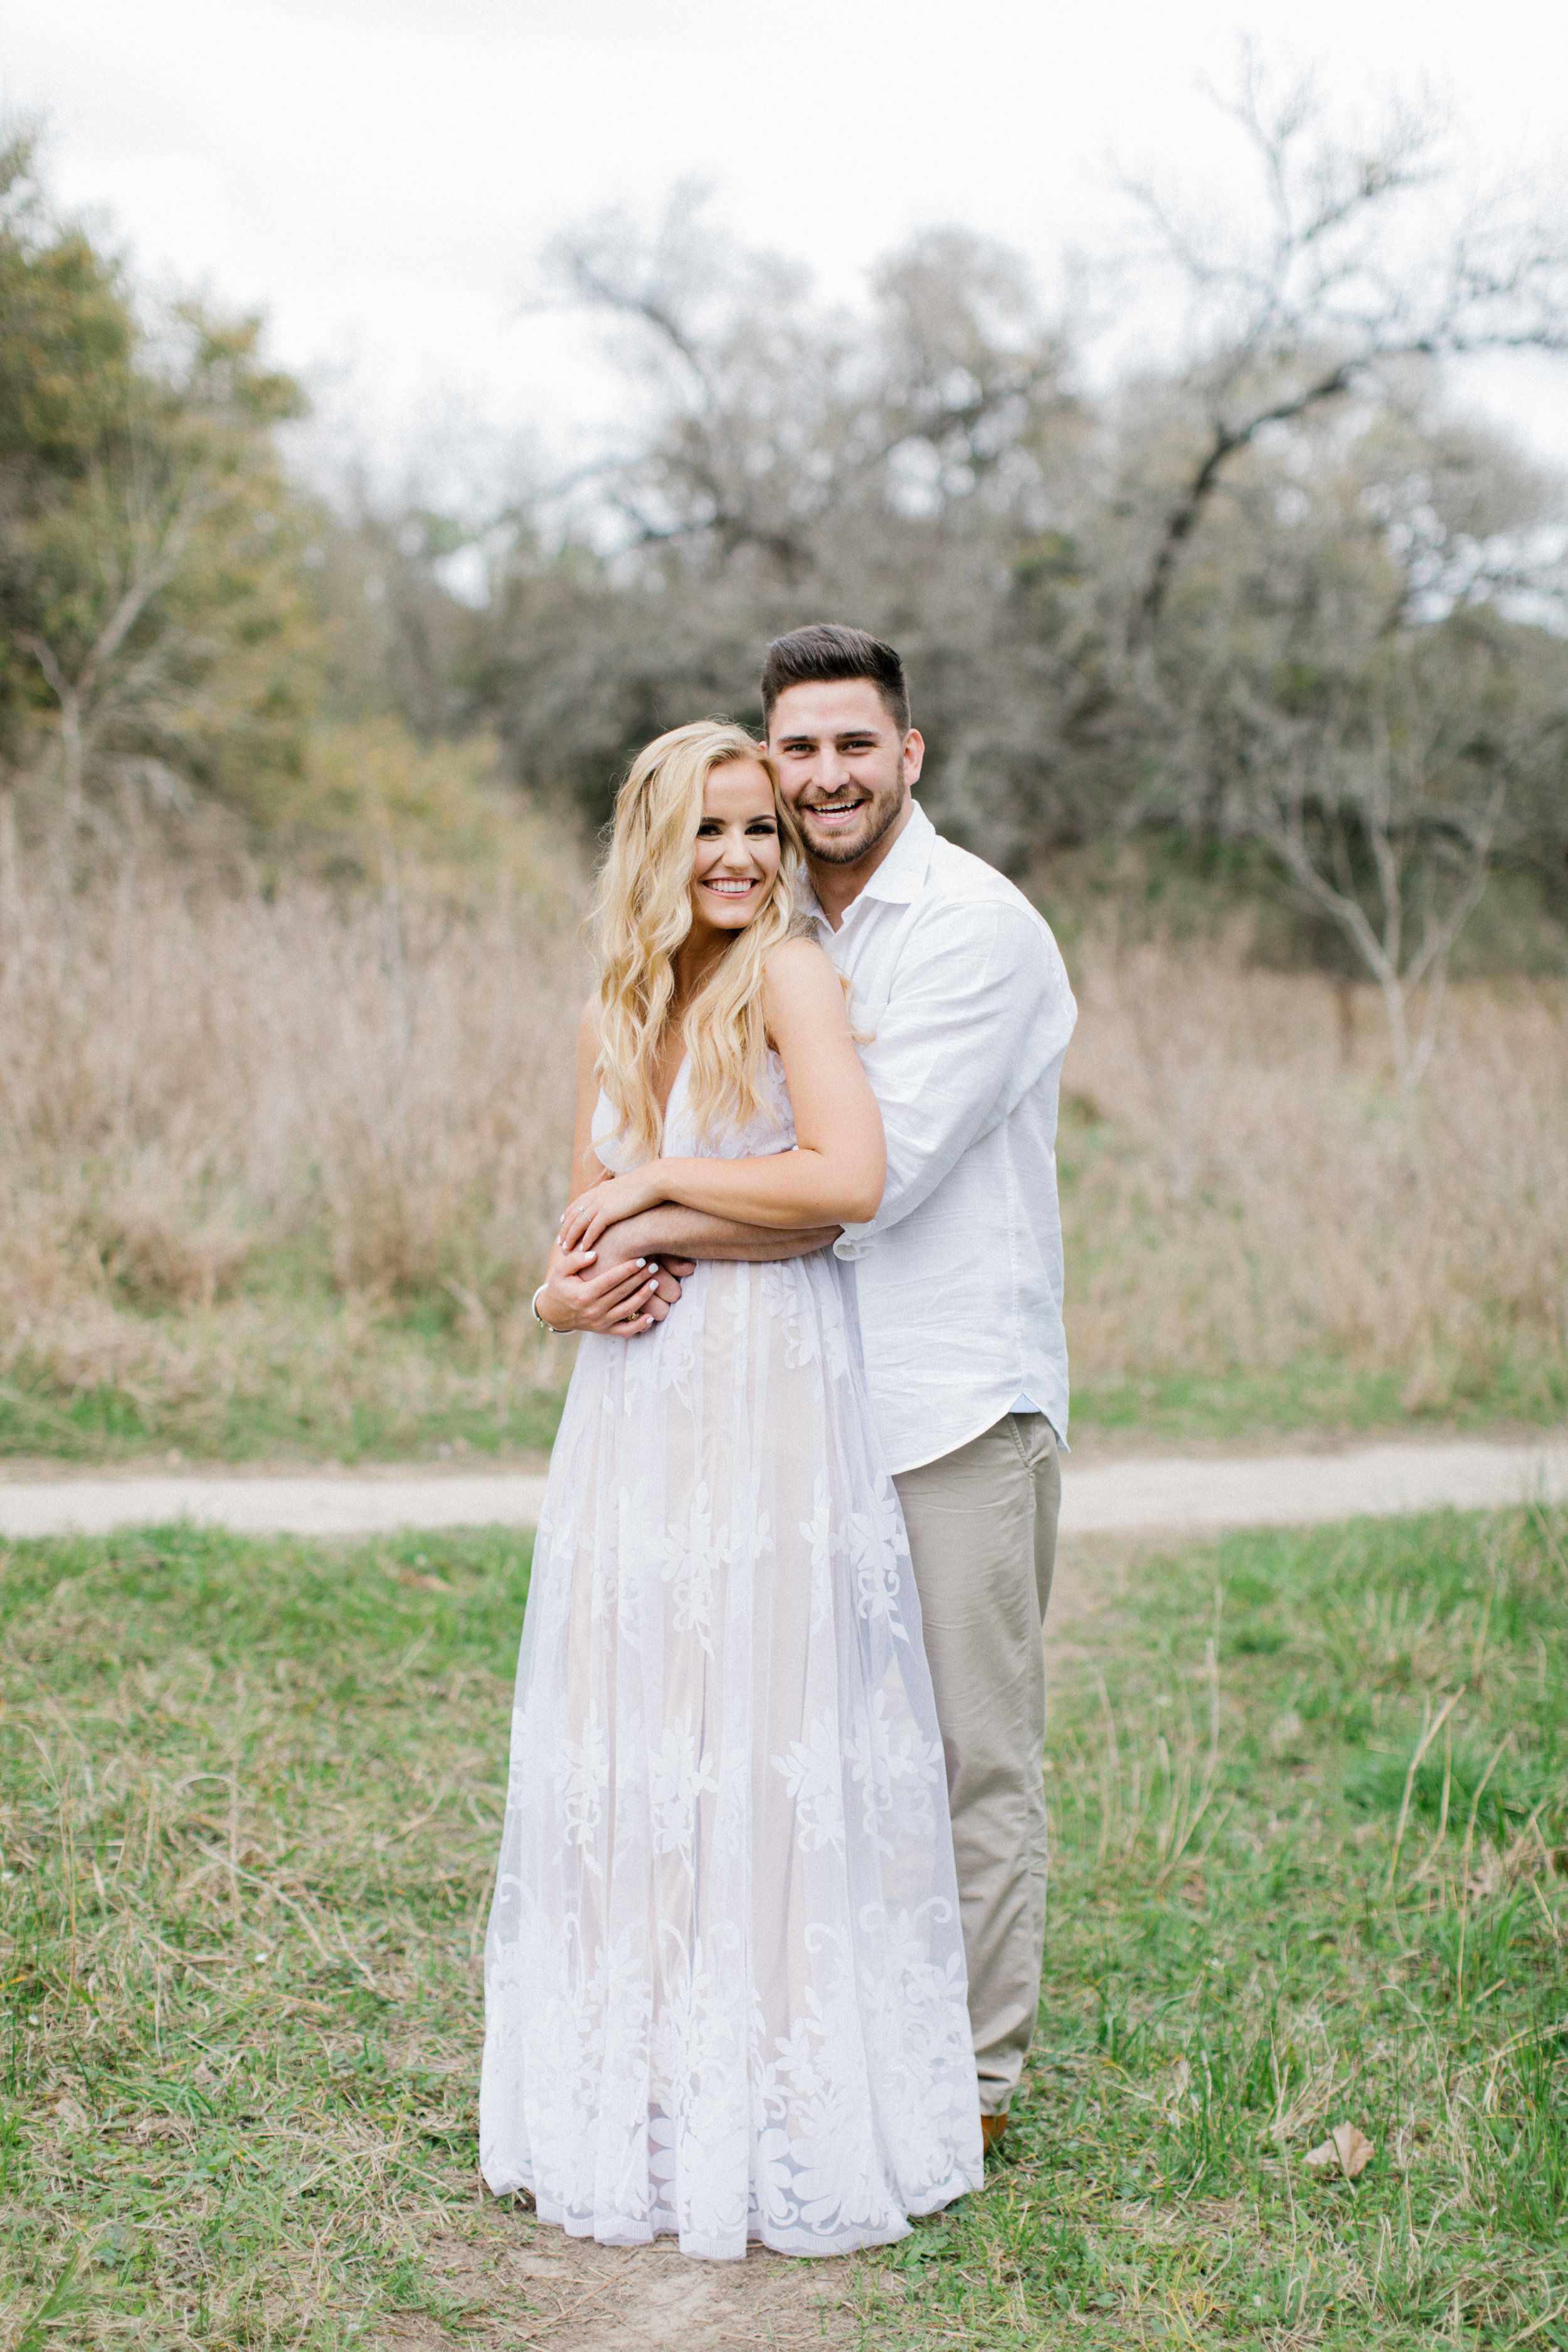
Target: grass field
(411, 1395)
(1310, 1800)
(1310, 1871)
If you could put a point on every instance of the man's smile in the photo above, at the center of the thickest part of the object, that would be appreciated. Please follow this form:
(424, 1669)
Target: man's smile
(834, 812)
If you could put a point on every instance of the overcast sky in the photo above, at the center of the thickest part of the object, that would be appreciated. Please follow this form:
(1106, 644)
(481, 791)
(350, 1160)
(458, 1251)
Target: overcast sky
(377, 175)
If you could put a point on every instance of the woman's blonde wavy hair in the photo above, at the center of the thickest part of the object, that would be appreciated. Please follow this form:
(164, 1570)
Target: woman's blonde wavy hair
(642, 912)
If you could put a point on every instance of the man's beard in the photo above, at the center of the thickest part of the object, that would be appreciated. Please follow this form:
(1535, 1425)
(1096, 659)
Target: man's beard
(884, 816)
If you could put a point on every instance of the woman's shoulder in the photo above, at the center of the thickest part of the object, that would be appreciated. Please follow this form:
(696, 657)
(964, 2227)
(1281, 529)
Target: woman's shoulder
(798, 961)
(799, 977)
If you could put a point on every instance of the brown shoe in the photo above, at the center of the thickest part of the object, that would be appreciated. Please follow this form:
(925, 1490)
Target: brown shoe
(991, 2128)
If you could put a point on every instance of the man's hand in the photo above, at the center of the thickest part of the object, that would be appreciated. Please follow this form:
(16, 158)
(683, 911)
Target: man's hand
(605, 1291)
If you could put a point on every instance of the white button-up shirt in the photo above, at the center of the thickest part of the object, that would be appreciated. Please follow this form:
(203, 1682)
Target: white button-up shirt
(960, 1271)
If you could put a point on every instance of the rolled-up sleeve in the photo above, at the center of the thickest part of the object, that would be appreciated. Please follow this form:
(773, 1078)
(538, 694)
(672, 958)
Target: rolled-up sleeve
(979, 1007)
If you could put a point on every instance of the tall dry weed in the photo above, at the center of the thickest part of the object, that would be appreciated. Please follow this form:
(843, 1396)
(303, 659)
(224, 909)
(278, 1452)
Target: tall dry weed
(1245, 1186)
(205, 1090)
(221, 1107)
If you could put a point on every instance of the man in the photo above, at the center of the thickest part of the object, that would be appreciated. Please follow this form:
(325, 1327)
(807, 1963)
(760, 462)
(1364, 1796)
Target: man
(959, 983)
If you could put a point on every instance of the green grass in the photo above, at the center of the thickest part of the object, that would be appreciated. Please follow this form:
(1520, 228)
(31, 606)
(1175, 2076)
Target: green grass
(414, 1392)
(1272, 1912)
(296, 1384)
(249, 1799)
(1323, 1395)
(248, 1803)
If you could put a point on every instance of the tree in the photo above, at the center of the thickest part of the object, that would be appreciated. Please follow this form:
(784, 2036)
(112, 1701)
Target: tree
(1327, 618)
(1336, 287)
(782, 464)
(1202, 600)
(150, 546)
(1386, 806)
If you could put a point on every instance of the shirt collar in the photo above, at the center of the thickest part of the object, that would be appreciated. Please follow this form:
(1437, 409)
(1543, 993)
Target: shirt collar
(899, 877)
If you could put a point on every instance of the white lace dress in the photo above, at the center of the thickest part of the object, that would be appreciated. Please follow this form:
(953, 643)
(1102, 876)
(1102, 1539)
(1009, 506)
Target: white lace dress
(724, 1976)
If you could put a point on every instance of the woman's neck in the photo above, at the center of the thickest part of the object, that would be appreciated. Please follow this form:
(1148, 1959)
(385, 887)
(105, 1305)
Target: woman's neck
(694, 960)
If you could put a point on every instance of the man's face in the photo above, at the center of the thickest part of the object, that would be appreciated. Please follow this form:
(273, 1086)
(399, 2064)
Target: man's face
(844, 767)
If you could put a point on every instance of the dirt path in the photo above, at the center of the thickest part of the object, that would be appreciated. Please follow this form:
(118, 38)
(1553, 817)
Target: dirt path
(540, 2291)
(1168, 1493)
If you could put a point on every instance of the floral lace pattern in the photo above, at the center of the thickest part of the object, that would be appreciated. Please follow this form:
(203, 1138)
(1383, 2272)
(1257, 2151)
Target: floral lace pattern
(724, 1974)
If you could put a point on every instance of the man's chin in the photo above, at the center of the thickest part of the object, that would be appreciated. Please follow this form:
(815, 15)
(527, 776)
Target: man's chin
(836, 851)
(839, 849)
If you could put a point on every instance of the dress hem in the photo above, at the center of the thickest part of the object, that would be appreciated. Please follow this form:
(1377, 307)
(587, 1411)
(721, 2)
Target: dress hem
(697, 2246)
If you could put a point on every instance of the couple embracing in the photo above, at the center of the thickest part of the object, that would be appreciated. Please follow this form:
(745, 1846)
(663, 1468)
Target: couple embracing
(764, 1956)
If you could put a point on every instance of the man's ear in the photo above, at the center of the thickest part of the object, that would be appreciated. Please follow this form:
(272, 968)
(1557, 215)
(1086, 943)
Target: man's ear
(915, 755)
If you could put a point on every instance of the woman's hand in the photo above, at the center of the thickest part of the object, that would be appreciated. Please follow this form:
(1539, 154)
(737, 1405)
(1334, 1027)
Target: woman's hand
(606, 1203)
(619, 1300)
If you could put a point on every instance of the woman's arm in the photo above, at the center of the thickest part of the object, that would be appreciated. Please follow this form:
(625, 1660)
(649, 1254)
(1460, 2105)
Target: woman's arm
(587, 1168)
(836, 1172)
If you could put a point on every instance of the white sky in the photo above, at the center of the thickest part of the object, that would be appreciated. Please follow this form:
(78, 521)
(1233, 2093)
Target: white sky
(377, 175)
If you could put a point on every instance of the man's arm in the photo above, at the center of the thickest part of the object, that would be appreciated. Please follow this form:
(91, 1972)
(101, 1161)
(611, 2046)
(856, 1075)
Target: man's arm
(683, 1236)
(982, 1011)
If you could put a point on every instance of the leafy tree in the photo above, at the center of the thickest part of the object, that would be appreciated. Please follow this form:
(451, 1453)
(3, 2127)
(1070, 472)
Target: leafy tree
(157, 632)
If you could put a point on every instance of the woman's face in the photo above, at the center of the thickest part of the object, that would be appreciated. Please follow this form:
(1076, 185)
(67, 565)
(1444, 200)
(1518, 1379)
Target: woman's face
(737, 852)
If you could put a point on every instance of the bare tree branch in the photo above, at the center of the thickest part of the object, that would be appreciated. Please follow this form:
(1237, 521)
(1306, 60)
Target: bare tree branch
(1323, 286)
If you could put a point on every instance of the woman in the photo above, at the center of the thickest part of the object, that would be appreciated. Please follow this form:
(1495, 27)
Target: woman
(724, 1978)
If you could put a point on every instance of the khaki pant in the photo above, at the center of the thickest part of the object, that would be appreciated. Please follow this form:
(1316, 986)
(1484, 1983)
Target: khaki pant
(982, 1536)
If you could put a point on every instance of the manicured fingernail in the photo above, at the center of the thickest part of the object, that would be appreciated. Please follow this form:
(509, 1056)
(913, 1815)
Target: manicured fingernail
(642, 1261)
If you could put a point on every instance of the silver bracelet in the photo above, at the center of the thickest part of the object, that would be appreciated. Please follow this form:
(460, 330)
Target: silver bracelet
(539, 1319)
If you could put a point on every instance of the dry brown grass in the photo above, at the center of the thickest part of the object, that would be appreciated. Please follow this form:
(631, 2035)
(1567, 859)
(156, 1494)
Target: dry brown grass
(290, 1155)
(1244, 1187)
(223, 1109)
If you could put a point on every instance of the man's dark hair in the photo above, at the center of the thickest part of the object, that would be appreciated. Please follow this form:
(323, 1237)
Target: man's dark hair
(825, 651)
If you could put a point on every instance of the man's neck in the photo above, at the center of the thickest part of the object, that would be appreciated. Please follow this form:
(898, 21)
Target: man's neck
(838, 886)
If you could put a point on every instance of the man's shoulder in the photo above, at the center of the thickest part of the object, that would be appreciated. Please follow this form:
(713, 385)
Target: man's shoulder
(959, 873)
(956, 879)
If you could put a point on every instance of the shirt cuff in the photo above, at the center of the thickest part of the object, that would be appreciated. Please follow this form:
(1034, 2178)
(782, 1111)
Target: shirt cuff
(854, 1241)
